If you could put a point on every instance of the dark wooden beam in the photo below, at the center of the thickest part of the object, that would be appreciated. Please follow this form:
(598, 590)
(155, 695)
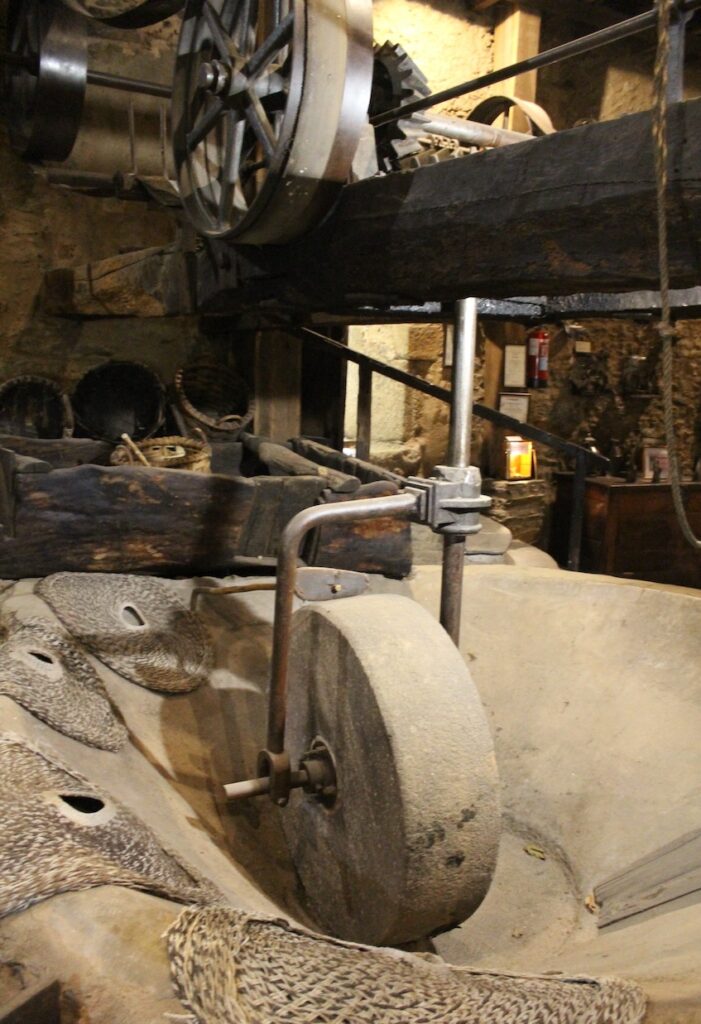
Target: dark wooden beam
(572, 212)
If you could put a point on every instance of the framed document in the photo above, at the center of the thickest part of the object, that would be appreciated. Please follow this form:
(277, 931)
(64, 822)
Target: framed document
(656, 465)
(515, 405)
(515, 366)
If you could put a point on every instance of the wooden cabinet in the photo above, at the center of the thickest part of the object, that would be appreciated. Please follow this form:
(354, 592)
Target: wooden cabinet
(630, 530)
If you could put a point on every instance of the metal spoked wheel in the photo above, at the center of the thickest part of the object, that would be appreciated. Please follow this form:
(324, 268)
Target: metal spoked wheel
(269, 100)
(46, 80)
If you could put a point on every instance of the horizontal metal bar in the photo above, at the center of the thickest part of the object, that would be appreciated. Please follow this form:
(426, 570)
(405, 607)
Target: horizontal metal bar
(109, 81)
(575, 48)
(101, 78)
(471, 133)
(484, 412)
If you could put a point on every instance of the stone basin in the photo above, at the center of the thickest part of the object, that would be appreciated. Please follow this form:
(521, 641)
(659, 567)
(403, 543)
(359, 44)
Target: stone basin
(593, 690)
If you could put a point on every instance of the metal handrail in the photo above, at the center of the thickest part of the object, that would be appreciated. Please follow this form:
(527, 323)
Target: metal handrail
(585, 459)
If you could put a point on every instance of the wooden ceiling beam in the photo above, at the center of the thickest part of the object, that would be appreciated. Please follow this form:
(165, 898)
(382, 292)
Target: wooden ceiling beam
(571, 212)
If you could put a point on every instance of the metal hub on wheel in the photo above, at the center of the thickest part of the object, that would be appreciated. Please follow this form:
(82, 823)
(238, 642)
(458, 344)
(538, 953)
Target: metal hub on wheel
(269, 100)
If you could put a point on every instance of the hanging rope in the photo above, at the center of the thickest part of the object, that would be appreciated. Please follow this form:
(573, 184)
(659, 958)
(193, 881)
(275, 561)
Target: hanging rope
(665, 326)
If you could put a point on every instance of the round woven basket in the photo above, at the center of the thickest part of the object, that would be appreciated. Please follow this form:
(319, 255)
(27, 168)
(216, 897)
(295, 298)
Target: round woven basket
(119, 397)
(172, 452)
(32, 406)
(214, 396)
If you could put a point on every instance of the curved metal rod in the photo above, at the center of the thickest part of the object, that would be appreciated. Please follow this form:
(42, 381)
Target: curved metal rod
(288, 554)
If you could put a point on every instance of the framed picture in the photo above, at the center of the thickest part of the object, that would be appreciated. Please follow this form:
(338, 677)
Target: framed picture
(515, 405)
(656, 465)
(515, 366)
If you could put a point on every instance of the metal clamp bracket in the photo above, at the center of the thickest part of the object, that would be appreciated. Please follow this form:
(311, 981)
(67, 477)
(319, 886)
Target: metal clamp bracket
(451, 501)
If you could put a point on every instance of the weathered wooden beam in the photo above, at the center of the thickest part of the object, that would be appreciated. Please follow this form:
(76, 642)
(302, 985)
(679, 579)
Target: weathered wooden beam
(516, 37)
(573, 212)
(278, 369)
(146, 283)
(133, 519)
(570, 213)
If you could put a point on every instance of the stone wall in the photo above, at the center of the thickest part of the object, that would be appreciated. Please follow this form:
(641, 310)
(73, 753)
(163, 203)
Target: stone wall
(605, 83)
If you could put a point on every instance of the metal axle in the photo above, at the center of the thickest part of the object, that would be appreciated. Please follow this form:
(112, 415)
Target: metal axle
(470, 133)
(101, 78)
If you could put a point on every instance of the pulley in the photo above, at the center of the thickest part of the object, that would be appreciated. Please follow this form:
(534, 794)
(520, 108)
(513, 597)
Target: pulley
(45, 82)
(269, 101)
(46, 75)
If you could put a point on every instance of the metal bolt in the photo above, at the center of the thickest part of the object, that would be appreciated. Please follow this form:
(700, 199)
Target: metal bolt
(215, 76)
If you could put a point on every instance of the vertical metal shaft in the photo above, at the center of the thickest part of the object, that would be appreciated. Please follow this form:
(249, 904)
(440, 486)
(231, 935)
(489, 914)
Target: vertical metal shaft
(464, 348)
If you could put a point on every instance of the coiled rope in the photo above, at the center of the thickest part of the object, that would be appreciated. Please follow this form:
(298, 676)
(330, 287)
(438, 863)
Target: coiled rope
(665, 327)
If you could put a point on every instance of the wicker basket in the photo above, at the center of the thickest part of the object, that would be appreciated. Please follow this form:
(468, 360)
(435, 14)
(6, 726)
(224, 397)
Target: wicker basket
(172, 452)
(32, 406)
(119, 397)
(215, 397)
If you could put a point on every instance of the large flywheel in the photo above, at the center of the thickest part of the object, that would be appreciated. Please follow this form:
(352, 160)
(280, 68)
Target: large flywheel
(269, 101)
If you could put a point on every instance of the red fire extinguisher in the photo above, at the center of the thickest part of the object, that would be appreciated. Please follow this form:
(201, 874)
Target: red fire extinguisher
(538, 352)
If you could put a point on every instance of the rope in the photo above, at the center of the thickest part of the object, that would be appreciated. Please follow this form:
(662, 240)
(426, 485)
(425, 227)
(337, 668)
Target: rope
(665, 326)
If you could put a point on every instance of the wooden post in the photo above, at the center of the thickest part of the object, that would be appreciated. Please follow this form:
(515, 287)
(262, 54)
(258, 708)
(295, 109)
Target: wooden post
(517, 36)
(278, 385)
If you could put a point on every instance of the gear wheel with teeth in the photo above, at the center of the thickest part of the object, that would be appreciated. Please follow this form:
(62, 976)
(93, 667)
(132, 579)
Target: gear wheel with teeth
(396, 79)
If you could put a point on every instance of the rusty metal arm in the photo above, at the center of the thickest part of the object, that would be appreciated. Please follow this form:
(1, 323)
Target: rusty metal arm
(290, 545)
(315, 772)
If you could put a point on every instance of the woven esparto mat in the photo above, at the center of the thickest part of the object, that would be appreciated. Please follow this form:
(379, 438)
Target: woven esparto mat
(232, 968)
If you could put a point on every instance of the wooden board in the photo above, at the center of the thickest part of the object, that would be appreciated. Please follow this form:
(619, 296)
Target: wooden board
(372, 545)
(124, 519)
(130, 519)
(60, 453)
(668, 874)
(146, 282)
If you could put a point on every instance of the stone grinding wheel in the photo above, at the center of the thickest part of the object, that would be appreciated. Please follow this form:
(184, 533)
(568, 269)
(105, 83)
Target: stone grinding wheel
(409, 846)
